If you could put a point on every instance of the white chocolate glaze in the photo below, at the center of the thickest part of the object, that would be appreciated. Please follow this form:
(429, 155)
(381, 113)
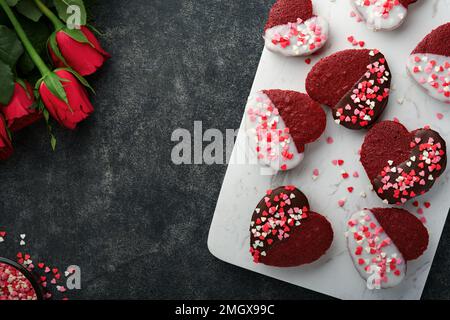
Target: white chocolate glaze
(268, 135)
(377, 16)
(432, 72)
(298, 39)
(374, 255)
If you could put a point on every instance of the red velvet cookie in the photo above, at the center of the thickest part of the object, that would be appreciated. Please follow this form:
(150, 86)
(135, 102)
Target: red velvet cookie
(279, 124)
(429, 63)
(381, 241)
(285, 233)
(354, 83)
(293, 30)
(401, 164)
(382, 14)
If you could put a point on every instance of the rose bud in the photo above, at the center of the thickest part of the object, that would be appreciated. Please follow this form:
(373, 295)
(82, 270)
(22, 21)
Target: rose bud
(20, 112)
(6, 149)
(65, 98)
(85, 56)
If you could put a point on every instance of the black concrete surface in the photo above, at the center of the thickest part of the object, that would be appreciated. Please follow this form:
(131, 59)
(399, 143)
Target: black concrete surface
(109, 199)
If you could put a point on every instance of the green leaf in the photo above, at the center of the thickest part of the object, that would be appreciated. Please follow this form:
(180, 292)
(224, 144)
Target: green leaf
(53, 141)
(7, 83)
(77, 35)
(10, 46)
(12, 3)
(45, 112)
(29, 9)
(38, 33)
(54, 84)
(69, 9)
(80, 78)
(54, 46)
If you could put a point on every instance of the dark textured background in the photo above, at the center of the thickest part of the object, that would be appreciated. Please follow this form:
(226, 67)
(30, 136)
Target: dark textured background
(110, 200)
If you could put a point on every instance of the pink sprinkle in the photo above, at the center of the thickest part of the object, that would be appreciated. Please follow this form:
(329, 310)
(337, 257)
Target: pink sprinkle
(316, 172)
(334, 162)
(440, 116)
(424, 220)
(341, 203)
(396, 119)
(356, 174)
(420, 211)
(352, 14)
(330, 140)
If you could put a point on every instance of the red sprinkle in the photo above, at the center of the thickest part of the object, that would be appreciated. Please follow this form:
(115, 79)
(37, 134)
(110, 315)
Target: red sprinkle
(14, 285)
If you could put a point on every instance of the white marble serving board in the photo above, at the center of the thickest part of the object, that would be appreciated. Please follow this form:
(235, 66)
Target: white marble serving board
(244, 186)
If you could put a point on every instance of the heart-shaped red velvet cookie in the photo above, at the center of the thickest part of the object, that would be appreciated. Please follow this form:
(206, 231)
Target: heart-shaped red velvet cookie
(355, 84)
(279, 123)
(292, 29)
(382, 14)
(285, 233)
(401, 164)
(429, 63)
(381, 241)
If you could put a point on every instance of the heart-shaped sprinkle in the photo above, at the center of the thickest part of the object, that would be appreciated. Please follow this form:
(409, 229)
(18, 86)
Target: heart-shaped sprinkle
(288, 228)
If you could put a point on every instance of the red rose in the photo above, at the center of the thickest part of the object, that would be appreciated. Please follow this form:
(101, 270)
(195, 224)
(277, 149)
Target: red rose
(20, 111)
(84, 58)
(6, 149)
(76, 109)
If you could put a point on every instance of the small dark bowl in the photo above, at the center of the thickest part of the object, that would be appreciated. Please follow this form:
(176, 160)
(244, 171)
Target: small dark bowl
(37, 288)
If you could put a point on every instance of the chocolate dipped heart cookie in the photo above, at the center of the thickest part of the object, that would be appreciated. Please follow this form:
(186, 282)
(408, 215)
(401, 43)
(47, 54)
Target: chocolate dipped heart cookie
(355, 84)
(285, 233)
(292, 29)
(400, 164)
(382, 14)
(429, 63)
(381, 241)
(279, 124)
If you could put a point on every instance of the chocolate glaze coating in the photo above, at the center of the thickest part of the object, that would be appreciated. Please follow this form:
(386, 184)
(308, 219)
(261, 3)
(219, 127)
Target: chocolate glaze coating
(394, 157)
(308, 237)
(381, 81)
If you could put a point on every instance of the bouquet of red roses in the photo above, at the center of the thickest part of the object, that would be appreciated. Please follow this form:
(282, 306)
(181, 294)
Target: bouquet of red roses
(49, 44)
